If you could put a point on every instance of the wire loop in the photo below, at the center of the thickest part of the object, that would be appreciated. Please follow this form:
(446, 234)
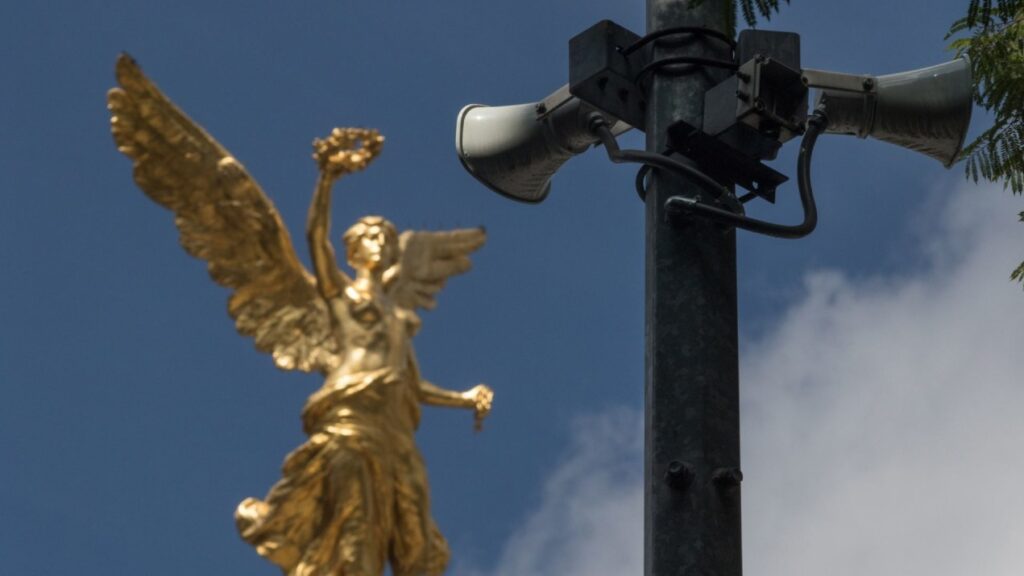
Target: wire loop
(695, 30)
(695, 60)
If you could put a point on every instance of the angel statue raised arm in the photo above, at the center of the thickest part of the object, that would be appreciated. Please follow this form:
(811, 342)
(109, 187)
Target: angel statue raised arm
(354, 497)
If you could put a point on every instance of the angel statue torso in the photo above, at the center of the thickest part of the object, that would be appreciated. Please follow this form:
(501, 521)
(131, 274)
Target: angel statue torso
(353, 499)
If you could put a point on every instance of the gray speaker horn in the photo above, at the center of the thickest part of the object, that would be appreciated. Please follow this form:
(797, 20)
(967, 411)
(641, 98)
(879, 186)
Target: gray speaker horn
(927, 110)
(515, 150)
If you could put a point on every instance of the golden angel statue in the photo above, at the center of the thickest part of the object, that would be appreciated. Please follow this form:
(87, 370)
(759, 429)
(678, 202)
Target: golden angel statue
(353, 498)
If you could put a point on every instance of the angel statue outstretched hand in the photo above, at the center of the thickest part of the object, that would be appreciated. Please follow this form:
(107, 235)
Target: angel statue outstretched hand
(353, 498)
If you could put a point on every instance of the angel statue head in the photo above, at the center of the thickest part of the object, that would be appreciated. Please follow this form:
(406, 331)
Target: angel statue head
(372, 242)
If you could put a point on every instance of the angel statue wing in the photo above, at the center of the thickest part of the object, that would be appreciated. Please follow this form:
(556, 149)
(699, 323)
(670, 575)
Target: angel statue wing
(427, 260)
(225, 219)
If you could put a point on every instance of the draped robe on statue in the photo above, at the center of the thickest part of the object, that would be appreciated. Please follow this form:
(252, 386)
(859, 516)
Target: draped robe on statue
(355, 495)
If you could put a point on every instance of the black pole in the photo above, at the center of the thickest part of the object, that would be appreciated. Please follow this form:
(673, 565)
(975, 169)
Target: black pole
(692, 493)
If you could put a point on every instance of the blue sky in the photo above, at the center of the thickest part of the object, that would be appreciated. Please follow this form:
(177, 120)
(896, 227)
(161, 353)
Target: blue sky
(134, 418)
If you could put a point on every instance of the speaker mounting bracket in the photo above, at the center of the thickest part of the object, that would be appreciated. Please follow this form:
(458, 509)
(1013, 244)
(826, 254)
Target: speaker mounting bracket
(724, 162)
(602, 71)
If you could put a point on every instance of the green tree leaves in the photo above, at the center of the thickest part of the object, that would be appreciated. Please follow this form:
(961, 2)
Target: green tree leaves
(751, 10)
(992, 36)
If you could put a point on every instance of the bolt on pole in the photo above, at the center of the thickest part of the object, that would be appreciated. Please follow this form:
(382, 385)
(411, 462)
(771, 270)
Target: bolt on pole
(692, 450)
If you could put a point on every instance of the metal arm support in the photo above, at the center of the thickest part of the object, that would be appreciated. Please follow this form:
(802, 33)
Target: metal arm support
(826, 80)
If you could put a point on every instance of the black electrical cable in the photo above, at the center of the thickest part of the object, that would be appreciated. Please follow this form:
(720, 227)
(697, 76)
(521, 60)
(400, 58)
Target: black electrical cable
(696, 62)
(641, 182)
(816, 124)
(659, 64)
(599, 126)
(695, 30)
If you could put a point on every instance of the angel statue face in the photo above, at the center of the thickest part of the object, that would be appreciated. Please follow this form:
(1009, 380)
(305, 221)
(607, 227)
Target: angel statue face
(371, 243)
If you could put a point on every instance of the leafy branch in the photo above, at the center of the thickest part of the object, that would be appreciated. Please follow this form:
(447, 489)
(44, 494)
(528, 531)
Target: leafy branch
(992, 36)
(751, 10)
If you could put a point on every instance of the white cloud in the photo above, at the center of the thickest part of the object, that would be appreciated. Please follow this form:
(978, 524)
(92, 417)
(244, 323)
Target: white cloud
(883, 422)
(882, 419)
(587, 522)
